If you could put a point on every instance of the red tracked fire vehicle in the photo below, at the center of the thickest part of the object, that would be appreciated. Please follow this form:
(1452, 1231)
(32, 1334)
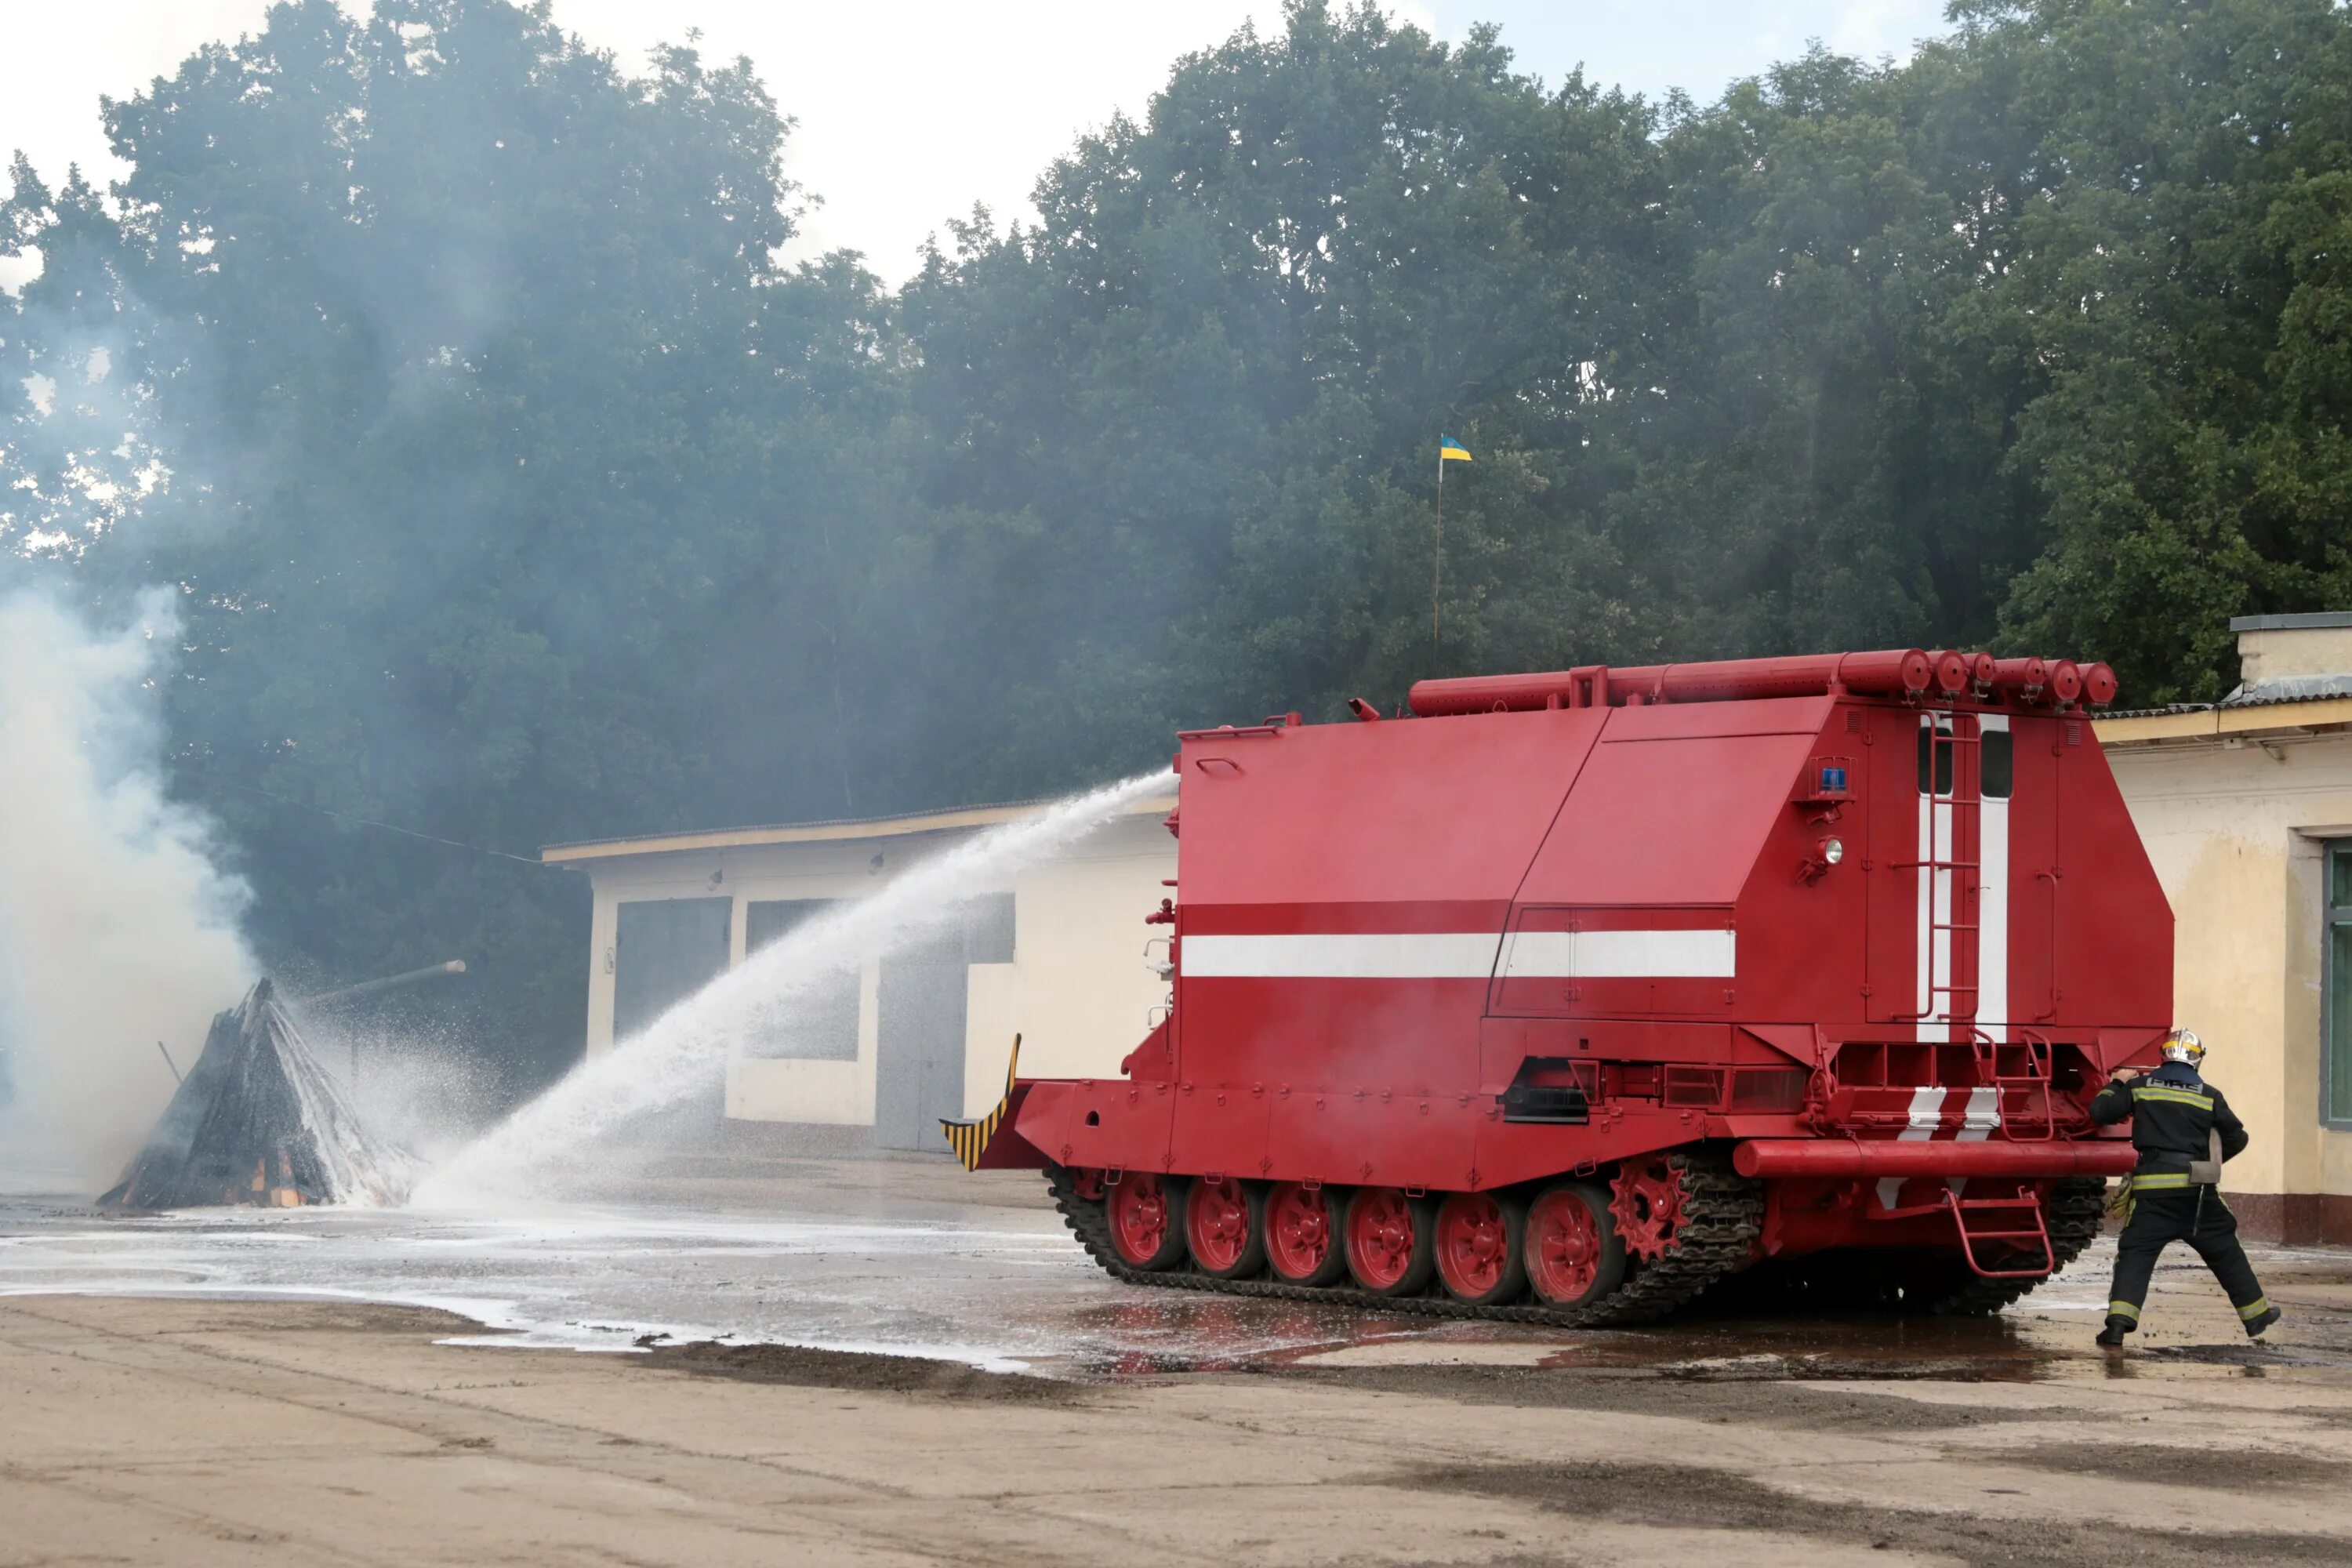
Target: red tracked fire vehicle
(1576, 993)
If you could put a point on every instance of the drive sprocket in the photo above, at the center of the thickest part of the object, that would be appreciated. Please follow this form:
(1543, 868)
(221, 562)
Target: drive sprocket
(1647, 1200)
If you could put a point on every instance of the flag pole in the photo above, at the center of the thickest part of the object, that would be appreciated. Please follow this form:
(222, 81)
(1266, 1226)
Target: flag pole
(1437, 562)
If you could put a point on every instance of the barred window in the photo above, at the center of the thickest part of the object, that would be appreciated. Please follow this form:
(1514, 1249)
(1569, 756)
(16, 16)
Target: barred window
(813, 1016)
(665, 951)
(2336, 1020)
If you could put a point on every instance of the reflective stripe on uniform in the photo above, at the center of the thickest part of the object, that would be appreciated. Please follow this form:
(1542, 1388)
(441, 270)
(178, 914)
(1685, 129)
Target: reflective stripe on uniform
(2172, 1096)
(2122, 1309)
(2255, 1308)
(2160, 1180)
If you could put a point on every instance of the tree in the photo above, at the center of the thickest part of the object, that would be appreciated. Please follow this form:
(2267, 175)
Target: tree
(2171, 271)
(516, 492)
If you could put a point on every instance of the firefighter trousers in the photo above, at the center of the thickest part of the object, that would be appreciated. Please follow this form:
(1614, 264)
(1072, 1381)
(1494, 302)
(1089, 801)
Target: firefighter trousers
(2198, 1216)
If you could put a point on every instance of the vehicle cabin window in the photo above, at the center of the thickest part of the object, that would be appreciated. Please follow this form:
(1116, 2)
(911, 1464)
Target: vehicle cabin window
(2000, 765)
(1996, 758)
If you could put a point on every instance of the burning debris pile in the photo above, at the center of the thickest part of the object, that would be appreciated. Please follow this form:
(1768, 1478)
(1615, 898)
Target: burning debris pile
(259, 1122)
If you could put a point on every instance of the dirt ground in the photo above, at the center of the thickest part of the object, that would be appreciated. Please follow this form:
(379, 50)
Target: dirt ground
(228, 1432)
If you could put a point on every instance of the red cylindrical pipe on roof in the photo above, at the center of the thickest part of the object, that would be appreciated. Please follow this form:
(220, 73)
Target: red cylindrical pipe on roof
(1952, 671)
(1838, 1157)
(2098, 685)
(2065, 680)
(1495, 693)
(1896, 672)
(2020, 677)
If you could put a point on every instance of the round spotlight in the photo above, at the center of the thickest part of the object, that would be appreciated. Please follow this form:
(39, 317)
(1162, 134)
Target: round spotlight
(1833, 850)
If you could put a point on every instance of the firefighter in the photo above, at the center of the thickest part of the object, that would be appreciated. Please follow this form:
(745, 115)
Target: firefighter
(2183, 1128)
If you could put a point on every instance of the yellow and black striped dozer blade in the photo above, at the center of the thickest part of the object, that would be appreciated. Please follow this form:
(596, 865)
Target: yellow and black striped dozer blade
(970, 1140)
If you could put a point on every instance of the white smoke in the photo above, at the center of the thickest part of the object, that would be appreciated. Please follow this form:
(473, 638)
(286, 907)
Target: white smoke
(117, 928)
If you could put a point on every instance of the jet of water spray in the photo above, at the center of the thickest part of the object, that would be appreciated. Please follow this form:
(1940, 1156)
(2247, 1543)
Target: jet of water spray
(664, 1063)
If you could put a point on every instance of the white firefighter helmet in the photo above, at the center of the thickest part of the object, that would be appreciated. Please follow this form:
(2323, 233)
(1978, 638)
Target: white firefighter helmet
(2182, 1045)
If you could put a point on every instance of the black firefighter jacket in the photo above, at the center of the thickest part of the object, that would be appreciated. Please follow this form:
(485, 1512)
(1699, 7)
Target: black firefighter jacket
(2173, 1113)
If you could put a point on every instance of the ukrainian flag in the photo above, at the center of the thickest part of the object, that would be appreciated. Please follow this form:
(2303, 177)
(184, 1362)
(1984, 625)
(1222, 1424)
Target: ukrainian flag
(1450, 449)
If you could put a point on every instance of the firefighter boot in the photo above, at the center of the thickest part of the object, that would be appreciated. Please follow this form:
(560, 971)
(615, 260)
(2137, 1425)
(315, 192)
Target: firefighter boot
(2261, 1321)
(2112, 1336)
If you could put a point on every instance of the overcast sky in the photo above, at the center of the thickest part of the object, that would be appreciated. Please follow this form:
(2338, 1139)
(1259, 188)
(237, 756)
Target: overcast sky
(910, 111)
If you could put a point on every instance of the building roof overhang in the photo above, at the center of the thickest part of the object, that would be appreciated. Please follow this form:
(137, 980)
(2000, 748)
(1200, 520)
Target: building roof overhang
(841, 830)
(2217, 723)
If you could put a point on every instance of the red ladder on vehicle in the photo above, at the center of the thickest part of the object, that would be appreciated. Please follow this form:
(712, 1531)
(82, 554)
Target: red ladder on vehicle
(1999, 1211)
(2037, 1055)
(1953, 840)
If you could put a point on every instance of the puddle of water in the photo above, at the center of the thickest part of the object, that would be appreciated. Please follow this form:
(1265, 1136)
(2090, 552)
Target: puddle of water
(995, 1289)
(847, 1262)
(582, 1280)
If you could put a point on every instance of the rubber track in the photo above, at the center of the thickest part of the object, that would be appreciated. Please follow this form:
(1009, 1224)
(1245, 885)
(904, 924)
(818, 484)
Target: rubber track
(2074, 1213)
(1723, 1216)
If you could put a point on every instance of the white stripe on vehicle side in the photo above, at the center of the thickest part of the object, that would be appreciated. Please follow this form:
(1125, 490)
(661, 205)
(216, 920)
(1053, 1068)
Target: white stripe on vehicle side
(1977, 1124)
(1992, 900)
(1633, 955)
(1463, 955)
(1927, 1111)
(1333, 955)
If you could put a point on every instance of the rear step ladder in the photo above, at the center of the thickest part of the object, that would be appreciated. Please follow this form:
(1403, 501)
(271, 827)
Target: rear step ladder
(2009, 1214)
(2039, 1059)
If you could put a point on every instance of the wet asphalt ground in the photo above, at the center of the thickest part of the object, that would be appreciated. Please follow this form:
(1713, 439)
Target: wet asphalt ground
(910, 1257)
(887, 1362)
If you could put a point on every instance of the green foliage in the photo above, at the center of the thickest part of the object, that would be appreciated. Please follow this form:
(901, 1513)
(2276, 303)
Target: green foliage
(518, 493)
(2177, 290)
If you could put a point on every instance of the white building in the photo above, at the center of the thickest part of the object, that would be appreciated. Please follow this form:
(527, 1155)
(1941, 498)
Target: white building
(906, 1036)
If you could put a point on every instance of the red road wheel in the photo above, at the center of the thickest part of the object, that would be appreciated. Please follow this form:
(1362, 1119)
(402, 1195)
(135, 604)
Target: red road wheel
(1647, 1200)
(1301, 1227)
(1392, 1240)
(1573, 1256)
(1147, 1220)
(1224, 1227)
(1481, 1249)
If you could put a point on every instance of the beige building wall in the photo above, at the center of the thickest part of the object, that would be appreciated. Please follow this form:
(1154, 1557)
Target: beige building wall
(1078, 989)
(1078, 992)
(2236, 833)
(2237, 804)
